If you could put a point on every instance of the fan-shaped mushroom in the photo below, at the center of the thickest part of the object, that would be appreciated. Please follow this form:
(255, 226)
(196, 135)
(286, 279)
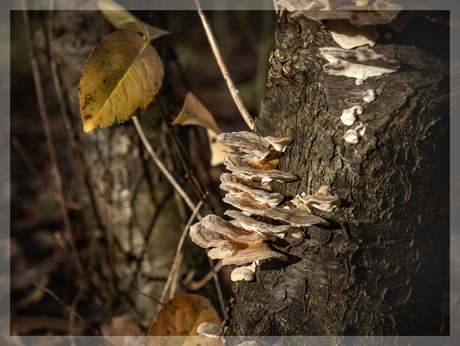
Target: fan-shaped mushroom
(244, 239)
(360, 63)
(242, 166)
(322, 199)
(235, 184)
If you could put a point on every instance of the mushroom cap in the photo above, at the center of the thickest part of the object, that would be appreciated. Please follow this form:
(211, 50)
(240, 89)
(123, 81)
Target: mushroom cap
(243, 166)
(206, 238)
(234, 184)
(245, 273)
(279, 143)
(351, 136)
(210, 330)
(369, 95)
(350, 36)
(229, 231)
(246, 142)
(359, 13)
(296, 217)
(358, 63)
(348, 116)
(253, 144)
(220, 252)
(259, 226)
(245, 202)
(322, 199)
(252, 252)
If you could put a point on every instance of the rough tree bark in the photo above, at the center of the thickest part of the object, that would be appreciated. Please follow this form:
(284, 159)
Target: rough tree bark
(381, 266)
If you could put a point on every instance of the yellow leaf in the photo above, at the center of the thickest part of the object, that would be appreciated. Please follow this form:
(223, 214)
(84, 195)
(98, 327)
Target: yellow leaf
(195, 113)
(122, 19)
(182, 315)
(121, 77)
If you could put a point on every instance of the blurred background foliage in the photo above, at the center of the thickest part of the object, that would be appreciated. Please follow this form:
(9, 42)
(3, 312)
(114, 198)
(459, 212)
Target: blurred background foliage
(245, 38)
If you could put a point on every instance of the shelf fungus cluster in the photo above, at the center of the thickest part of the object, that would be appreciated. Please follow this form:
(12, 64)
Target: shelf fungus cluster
(353, 26)
(246, 239)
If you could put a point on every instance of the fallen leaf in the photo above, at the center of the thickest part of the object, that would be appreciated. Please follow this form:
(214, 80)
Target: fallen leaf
(121, 77)
(122, 19)
(182, 315)
(195, 113)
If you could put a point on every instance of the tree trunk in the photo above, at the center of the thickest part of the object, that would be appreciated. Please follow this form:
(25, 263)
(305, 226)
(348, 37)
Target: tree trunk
(381, 267)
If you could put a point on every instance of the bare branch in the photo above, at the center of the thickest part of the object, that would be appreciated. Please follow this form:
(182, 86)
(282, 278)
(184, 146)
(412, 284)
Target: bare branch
(96, 332)
(223, 68)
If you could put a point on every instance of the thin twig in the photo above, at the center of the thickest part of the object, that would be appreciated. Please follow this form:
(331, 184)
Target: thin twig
(196, 285)
(172, 291)
(95, 331)
(147, 296)
(194, 179)
(175, 266)
(74, 305)
(162, 167)
(217, 284)
(223, 68)
(49, 140)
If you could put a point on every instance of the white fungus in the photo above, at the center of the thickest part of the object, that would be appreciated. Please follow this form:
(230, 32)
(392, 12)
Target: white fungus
(369, 95)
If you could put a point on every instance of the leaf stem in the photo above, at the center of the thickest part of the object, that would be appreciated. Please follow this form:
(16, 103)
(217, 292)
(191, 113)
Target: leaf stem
(223, 68)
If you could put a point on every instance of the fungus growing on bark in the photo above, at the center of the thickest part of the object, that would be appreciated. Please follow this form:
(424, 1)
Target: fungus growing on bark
(360, 63)
(352, 135)
(210, 330)
(246, 142)
(322, 199)
(258, 226)
(350, 36)
(295, 217)
(229, 231)
(247, 167)
(246, 239)
(348, 116)
(245, 273)
(235, 184)
(358, 12)
(369, 95)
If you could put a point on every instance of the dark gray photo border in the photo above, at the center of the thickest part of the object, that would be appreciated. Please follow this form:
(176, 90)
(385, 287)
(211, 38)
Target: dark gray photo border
(7, 6)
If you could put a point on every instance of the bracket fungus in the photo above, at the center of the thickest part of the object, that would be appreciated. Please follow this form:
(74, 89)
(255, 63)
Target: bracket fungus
(352, 135)
(235, 184)
(245, 273)
(209, 330)
(350, 36)
(358, 12)
(348, 116)
(369, 95)
(245, 240)
(247, 167)
(359, 63)
(322, 199)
